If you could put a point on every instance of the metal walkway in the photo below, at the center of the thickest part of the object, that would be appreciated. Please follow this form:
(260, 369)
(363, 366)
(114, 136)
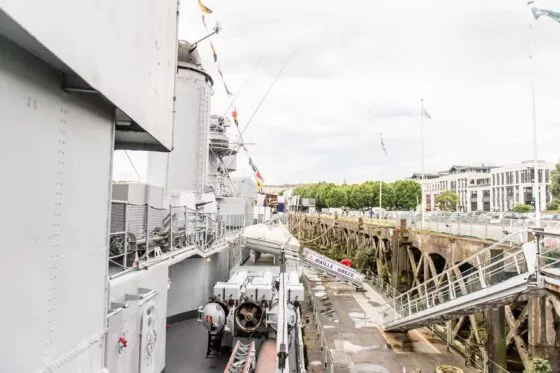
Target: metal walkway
(494, 276)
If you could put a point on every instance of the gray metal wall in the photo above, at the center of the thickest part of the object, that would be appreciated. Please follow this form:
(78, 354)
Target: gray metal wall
(193, 279)
(125, 50)
(55, 162)
(127, 323)
(186, 168)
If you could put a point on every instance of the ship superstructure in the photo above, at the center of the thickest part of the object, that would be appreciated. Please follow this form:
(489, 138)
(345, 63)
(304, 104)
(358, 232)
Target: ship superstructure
(77, 80)
(173, 238)
(95, 270)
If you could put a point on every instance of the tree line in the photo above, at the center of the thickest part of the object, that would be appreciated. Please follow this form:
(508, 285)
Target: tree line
(400, 195)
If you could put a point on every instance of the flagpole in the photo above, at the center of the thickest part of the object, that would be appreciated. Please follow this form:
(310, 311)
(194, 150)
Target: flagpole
(380, 186)
(536, 193)
(422, 155)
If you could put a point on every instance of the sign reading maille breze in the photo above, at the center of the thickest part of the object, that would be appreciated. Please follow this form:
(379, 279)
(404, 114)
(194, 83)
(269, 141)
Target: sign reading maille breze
(330, 265)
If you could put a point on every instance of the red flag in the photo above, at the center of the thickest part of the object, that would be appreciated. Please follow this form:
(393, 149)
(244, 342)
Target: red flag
(234, 116)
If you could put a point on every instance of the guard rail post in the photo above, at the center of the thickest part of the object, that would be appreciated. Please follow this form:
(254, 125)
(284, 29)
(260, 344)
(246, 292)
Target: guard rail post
(125, 258)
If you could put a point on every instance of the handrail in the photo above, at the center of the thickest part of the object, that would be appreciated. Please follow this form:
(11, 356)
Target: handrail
(143, 234)
(495, 276)
(480, 273)
(328, 361)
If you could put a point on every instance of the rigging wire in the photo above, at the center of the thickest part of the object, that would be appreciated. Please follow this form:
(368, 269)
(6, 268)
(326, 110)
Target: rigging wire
(132, 164)
(269, 89)
(232, 101)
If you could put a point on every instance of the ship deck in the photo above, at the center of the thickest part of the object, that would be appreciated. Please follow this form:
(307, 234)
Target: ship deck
(352, 328)
(186, 350)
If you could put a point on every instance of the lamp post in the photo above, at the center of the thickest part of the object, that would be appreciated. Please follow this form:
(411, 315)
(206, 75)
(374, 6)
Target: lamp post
(536, 197)
(422, 207)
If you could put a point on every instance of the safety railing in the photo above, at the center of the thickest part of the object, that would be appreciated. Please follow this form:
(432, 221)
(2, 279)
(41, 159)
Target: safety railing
(380, 284)
(327, 358)
(142, 233)
(300, 346)
(482, 227)
(478, 274)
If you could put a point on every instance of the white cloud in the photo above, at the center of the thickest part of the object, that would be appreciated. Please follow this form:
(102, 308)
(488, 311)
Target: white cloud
(360, 69)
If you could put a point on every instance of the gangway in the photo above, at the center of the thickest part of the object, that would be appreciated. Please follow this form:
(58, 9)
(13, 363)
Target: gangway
(274, 238)
(332, 268)
(496, 275)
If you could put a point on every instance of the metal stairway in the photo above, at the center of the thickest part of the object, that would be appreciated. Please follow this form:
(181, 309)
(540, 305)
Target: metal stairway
(494, 276)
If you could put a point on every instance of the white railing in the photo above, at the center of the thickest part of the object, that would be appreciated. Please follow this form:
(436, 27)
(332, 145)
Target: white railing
(463, 284)
(489, 277)
(141, 233)
(327, 358)
(483, 227)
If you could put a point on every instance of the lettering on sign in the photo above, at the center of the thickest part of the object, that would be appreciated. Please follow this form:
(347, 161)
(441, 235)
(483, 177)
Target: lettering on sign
(331, 266)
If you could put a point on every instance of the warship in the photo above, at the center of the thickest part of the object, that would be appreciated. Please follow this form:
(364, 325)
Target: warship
(95, 271)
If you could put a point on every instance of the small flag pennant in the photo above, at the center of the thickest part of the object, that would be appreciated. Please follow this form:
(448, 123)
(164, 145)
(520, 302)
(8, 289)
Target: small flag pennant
(543, 12)
(383, 144)
(204, 8)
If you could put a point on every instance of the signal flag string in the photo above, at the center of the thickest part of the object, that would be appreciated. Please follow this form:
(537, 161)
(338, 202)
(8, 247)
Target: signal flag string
(234, 115)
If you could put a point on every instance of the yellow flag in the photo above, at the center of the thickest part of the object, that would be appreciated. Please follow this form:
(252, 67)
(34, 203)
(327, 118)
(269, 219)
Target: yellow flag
(204, 8)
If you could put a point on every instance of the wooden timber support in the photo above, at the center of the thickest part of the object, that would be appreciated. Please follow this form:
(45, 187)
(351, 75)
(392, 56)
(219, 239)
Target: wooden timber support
(530, 327)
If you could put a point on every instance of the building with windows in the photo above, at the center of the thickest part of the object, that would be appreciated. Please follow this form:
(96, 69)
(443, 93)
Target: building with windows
(470, 183)
(512, 185)
(488, 188)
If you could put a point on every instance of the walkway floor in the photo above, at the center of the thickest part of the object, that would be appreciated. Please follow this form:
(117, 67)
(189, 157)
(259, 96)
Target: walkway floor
(350, 320)
(352, 327)
(186, 350)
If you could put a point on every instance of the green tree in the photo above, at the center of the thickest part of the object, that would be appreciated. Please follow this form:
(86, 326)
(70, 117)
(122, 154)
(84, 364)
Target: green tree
(521, 208)
(387, 195)
(447, 200)
(335, 196)
(407, 194)
(358, 196)
(555, 182)
(539, 365)
(553, 205)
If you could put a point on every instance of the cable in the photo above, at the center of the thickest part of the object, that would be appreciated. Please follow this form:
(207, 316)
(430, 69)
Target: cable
(232, 101)
(316, 238)
(132, 164)
(269, 89)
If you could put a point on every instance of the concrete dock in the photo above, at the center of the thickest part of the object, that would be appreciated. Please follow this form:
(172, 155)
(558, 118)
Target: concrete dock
(351, 323)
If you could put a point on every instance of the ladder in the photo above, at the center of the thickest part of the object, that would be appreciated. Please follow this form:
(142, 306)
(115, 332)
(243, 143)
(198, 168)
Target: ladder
(494, 276)
(242, 359)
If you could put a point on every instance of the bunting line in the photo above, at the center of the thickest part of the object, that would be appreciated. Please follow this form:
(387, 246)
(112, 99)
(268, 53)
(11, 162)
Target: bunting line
(258, 176)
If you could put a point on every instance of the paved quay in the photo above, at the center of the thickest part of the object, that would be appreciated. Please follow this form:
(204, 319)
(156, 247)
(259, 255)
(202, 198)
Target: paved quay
(351, 324)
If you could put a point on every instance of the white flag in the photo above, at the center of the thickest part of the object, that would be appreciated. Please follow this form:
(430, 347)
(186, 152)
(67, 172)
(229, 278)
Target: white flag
(543, 12)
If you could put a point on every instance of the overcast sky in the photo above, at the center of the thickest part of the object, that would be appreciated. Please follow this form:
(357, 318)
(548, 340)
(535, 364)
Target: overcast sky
(361, 67)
